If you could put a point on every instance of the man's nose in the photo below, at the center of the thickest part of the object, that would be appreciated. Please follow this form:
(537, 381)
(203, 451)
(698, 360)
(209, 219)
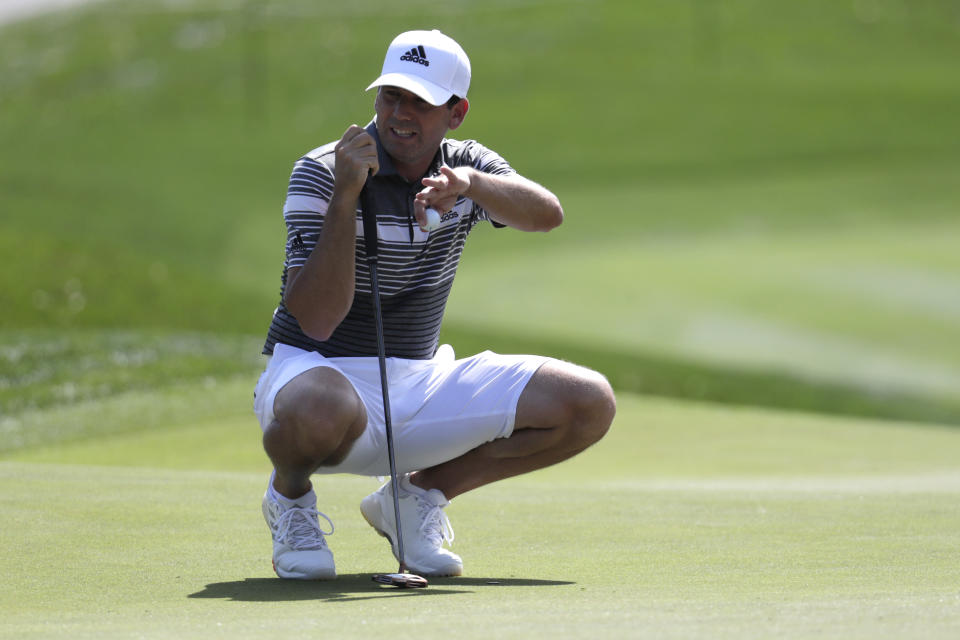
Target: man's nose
(402, 108)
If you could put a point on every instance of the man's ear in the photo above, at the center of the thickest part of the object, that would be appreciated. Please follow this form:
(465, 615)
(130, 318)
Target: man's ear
(458, 113)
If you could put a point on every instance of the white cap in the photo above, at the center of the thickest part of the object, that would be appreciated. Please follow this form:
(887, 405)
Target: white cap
(427, 63)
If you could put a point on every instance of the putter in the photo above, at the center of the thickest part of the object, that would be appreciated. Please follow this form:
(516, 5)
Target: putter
(403, 578)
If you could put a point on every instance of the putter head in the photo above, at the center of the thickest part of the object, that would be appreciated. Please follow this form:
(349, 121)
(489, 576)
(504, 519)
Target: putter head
(401, 580)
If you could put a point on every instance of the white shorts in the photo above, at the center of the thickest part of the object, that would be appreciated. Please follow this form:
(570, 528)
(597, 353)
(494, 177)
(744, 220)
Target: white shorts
(441, 408)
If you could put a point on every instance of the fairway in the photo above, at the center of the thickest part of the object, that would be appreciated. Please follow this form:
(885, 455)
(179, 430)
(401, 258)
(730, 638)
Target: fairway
(687, 521)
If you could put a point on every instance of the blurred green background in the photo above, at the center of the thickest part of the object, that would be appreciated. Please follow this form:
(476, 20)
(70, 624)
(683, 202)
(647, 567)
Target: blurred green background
(761, 197)
(761, 204)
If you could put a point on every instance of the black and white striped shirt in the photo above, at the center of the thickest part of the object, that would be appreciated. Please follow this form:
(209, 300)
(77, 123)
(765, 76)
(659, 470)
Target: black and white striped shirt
(415, 268)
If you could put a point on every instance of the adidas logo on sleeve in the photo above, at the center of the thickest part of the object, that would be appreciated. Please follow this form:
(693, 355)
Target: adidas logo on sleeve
(418, 55)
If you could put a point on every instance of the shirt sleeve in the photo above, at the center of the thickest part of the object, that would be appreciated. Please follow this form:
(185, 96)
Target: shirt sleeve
(308, 196)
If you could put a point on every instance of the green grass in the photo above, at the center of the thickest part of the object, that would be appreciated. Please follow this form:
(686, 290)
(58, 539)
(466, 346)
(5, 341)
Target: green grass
(687, 521)
(873, 307)
(64, 386)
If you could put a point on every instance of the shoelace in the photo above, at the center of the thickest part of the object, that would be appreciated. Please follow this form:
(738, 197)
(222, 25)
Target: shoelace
(299, 527)
(434, 523)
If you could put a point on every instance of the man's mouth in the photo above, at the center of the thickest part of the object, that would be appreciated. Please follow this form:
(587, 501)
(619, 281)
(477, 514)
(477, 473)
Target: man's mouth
(403, 133)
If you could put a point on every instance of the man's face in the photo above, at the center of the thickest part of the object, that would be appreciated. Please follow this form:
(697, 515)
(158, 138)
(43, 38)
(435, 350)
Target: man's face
(411, 129)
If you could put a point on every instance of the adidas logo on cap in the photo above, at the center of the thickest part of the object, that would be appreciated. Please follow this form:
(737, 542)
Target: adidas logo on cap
(418, 55)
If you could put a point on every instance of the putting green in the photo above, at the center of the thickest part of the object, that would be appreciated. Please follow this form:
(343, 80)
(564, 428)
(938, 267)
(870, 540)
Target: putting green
(687, 520)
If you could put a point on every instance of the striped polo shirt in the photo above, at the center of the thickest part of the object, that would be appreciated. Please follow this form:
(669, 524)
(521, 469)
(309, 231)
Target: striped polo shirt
(415, 268)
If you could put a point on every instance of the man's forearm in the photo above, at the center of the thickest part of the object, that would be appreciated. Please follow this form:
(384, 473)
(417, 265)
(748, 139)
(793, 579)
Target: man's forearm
(321, 292)
(515, 201)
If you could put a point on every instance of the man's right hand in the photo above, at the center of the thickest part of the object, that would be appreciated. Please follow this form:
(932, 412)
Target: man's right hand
(356, 158)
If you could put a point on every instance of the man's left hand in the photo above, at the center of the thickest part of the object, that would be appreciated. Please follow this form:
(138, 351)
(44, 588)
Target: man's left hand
(441, 192)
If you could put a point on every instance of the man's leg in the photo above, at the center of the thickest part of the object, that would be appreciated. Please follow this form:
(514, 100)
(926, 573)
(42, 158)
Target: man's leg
(563, 410)
(318, 417)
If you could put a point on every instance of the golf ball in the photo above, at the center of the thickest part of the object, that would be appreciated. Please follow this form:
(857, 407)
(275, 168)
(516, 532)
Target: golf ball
(433, 219)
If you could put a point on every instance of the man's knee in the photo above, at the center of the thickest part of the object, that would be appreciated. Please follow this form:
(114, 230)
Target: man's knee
(578, 400)
(318, 412)
(594, 406)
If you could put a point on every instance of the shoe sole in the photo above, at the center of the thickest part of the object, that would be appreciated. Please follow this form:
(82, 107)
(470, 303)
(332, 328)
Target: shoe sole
(438, 574)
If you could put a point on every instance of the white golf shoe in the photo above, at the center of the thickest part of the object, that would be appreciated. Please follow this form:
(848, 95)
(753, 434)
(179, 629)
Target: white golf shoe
(299, 548)
(425, 527)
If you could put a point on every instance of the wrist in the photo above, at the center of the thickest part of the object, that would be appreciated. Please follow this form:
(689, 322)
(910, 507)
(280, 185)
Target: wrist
(343, 200)
(468, 175)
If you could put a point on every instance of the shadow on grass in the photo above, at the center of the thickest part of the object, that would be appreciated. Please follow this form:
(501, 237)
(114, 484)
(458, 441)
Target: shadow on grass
(351, 587)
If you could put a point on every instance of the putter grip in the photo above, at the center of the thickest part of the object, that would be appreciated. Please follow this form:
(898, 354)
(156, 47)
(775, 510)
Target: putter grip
(368, 211)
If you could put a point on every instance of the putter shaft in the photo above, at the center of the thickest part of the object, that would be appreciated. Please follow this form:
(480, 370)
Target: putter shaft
(369, 216)
(391, 454)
